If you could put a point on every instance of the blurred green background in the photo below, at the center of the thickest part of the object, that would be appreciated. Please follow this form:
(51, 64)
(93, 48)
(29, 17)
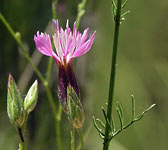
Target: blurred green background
(142, 70)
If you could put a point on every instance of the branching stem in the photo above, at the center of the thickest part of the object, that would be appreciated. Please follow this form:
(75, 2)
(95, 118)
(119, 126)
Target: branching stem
(113, 71)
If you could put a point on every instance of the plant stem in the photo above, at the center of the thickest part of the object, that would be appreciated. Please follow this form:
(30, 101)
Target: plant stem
(25, 53)
(49, 69)
(58, 134)
(81, 139)
(50, 62)
(113, 72)
(43, 80)
(72, 138)
(81, 12)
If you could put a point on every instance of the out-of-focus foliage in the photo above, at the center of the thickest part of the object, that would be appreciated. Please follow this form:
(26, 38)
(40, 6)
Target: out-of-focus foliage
(142, 70)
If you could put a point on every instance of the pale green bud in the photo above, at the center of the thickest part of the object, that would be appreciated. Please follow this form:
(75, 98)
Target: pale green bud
(31, 98)
(15, 107)
(75, 109)
(18, 35)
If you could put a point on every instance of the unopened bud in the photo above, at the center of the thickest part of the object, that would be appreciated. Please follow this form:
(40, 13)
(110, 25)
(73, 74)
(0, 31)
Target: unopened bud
(31, 98)
(15, 107)
(75, 109)
(18, 35)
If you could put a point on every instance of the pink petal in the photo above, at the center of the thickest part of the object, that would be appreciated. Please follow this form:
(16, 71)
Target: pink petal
(56, 26)
(85, 47)
(74, 30)
(43, 44)
(84, 36)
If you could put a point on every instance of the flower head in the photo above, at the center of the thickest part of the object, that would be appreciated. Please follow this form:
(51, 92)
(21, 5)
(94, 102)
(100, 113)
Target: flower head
(68, 45)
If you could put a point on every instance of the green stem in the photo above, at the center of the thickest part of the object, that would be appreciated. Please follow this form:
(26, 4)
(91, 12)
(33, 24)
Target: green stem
(81, 139)
(81, 12)
(43, 80)
(25, 53)
(58, 134)
(18, 40)
(49, 69)
(58, 114)
(72, 138)
(85, 136)
(113, 72)
(54, 9)
(50, 62)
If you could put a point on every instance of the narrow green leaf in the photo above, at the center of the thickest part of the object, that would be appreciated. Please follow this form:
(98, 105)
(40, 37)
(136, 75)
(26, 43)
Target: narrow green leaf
(127, 12)
(120, 118)
(120, 108)
(101, 123)
(112, 124)
(124, 4)
(96, 126)
(107, 121)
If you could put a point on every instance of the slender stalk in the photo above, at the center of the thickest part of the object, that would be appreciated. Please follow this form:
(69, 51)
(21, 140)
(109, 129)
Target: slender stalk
(49, 69)
(72, 138)
(81, 12)
(58, 134)
(43, 80)
(84, 137)
(25, 53)
(50, 62)
(81, 139)
(18, 40)
(112, 78)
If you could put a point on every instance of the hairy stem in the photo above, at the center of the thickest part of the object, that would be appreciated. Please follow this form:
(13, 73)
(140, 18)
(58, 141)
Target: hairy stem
(112, 77)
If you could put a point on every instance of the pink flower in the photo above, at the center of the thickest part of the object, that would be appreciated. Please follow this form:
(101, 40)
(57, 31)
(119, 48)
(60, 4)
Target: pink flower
(68, 45)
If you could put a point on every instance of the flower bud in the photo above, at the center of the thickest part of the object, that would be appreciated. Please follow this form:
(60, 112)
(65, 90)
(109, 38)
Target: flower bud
(15, 107)
(31, 98)
(74, 108)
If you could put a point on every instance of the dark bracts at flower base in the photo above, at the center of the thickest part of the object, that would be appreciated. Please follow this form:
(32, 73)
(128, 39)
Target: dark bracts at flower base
(66, 78)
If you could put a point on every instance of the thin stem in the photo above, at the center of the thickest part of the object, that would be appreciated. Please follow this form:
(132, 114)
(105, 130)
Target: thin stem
(72, 138)
(54, 9)
(58, 114)
(25, 53)
(18, 40)
(81, 12)
(50, 62)
(49, 69)
(21, 134)
(51, 100)
(85, 136)
(112, 78)
(81, 139)
(43, 80)
(58, 134)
